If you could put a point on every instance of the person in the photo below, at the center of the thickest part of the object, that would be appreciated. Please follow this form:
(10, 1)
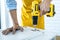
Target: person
(26, 15)
(12, 5)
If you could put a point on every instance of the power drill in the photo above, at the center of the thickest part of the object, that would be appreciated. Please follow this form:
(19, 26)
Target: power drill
(36, 11)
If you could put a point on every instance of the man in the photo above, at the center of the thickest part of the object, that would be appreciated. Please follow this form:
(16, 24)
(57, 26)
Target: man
(12, 5)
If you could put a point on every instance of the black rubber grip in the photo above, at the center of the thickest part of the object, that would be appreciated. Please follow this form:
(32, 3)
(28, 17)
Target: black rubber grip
(35, 19)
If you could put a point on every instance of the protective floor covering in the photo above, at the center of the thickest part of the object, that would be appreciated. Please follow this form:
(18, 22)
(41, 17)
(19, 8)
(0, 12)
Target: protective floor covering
(28, 35)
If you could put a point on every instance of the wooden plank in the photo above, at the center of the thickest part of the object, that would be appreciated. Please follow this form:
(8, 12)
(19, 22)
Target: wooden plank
(57, 37)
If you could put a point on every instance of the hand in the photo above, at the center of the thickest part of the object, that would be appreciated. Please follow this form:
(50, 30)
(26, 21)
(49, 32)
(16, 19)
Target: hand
(12, 29)
(44, 7)
(42, 13)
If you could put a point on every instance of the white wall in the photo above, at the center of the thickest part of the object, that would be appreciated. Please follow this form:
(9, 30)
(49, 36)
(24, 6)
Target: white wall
(0, 13)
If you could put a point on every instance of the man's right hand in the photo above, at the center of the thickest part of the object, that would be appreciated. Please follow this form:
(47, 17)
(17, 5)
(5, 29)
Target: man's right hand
(44, 7)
